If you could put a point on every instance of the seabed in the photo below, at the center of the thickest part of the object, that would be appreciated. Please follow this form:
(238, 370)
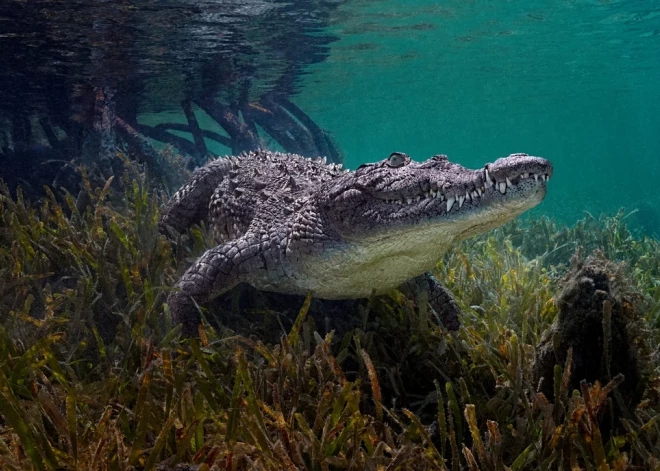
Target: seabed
(94, 376)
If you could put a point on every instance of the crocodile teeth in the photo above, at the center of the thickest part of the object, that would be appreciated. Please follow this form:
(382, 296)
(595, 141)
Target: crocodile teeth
(502, 187)
(461, 200)
(467, 196)
(408, 200)
(488, 182)
(450, 203)
(525, 175)
(508, 183)
(475, 194)
(536, 177)
(417, 199)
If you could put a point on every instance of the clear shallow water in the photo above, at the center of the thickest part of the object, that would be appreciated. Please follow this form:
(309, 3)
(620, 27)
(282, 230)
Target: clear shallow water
(573, 81)
(577, 82)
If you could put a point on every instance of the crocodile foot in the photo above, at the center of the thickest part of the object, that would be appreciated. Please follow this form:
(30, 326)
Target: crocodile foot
(440, 299)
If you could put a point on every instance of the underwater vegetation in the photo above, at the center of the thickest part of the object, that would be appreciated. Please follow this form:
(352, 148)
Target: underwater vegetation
(94, 376)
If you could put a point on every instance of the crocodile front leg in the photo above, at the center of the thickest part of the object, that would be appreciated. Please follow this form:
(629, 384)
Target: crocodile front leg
(190, 204)
(218, 270)
(440, 299)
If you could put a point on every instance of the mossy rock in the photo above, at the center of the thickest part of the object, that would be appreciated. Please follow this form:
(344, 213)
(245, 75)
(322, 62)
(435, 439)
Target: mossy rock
(599, 327)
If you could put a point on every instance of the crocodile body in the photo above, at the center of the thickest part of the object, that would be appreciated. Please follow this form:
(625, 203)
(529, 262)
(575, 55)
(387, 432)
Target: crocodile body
(290, 224)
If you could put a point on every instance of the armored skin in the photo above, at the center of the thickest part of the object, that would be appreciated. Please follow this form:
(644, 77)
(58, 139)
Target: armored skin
(290, 224)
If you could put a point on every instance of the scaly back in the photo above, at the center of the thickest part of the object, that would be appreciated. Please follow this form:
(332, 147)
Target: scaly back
(228, 191)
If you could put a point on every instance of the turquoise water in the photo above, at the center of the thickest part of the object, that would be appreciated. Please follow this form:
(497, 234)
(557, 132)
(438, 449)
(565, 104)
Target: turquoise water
(577, 82)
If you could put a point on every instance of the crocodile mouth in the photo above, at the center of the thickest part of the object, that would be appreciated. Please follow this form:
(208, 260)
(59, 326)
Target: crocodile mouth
(504, 180)
(386, 199)
(488, 187)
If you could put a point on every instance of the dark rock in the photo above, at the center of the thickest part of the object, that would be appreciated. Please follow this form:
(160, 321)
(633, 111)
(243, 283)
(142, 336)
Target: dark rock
(590, 288)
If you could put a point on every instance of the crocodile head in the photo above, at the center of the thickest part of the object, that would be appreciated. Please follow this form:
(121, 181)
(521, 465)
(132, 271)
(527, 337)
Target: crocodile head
(432, 202)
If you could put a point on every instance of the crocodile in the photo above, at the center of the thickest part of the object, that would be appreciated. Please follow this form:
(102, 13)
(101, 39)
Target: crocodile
(290, 224)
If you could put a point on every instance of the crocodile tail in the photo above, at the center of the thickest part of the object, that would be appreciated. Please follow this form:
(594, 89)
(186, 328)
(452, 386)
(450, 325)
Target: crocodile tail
(190, 204)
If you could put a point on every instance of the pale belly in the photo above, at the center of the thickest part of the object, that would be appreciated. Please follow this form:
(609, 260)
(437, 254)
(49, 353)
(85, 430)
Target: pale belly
(353, 274)
(358, 270)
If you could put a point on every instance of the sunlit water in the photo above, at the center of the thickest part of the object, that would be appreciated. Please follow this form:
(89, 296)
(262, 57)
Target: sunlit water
(577, 82)
(574, 81)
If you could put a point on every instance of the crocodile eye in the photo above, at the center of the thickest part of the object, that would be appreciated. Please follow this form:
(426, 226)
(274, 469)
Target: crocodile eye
(396, 159)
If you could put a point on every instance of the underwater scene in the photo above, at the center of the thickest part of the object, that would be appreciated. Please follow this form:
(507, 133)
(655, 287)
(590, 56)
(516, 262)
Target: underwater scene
(329, 235)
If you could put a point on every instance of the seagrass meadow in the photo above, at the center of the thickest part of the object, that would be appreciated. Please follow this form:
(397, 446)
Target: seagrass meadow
(93, 375)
